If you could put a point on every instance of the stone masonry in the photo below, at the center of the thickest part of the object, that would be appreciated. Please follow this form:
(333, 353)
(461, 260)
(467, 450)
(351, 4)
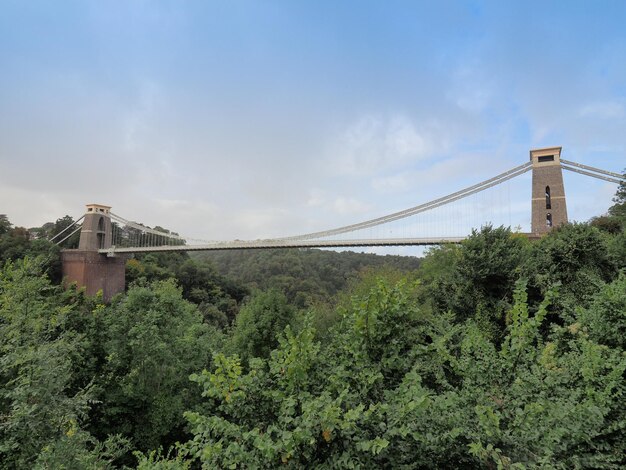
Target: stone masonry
(549, 209)
(86, 266)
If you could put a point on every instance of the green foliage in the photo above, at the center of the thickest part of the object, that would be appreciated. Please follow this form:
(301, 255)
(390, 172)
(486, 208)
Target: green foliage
(59, 226)
(570, 250)
(439, 263)
(259, 323)
(616, 249)
(50, 230)
(306, 277)
(155, 460)
(537, 401)
(16, 243)
(574, 257)
(13, 242)
(202, 285)
(79, 450)
(35, 366)
(476, 280)
(217, 297)
(381, 330)
(608, 224)
(153, 339)
(605, 318)
(5, 225)
(145, 270)
(619, 208)
(42, 413)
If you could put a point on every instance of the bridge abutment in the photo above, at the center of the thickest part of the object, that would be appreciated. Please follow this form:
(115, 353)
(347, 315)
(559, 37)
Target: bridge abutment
(87, 267)
(95, 272)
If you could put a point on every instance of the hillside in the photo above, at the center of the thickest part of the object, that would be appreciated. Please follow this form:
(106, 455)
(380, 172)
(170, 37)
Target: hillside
(305, 276)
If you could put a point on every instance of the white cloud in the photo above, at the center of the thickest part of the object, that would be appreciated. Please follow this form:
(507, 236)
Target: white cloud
(373, 144)
(434, 180)
(187, 208)
(347, 206)
(32, 208)
(188, 148)
(402, 140)
(471, 89)
(259, 224)
(603, 110)
(390, 184)
(317, 197)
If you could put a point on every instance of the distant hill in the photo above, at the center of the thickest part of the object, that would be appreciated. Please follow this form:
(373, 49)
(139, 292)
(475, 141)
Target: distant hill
(304, 275)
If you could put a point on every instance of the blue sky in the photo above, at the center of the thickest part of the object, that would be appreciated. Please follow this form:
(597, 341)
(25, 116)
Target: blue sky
(253, 119)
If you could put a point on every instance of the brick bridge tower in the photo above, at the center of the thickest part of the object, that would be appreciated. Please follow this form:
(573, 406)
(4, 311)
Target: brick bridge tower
(548, 195)
(86, 266)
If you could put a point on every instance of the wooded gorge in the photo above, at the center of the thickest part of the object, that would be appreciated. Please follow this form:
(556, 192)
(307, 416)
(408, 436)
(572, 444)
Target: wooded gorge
(496, 353)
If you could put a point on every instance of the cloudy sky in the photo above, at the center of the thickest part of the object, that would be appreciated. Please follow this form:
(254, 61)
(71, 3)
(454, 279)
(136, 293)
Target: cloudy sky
(254, 119)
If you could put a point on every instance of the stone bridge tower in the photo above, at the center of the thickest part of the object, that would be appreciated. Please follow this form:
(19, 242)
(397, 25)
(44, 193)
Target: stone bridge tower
(548, 194)
(86, 266)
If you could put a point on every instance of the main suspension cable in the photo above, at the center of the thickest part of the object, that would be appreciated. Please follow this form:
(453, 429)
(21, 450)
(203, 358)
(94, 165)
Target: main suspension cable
(590, 168)
(517, 171)
(79, 228)
(67, 228)
(593, 175)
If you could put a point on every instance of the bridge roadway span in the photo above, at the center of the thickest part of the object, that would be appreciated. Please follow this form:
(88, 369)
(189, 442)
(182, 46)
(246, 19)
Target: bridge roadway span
(285, 243)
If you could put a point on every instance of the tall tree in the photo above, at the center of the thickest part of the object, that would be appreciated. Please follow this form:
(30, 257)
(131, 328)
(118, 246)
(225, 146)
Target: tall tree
(260, 323)
(152, 340)
(619, 208)
(5, 225)
(576, 259)
(62, 224)
(43, 414)
(477, 280)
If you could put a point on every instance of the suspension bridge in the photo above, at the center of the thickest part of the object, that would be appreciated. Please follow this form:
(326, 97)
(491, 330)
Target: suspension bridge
(106, 239)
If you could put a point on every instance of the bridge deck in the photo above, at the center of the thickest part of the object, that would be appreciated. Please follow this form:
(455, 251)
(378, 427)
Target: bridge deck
(270, 244)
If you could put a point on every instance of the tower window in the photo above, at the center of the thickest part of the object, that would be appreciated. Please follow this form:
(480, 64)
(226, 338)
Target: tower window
(545, 158)
(548, 198)
(548, 220)
(101, 224)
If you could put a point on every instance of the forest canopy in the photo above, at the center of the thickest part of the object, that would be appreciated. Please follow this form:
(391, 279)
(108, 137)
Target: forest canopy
(495, 353)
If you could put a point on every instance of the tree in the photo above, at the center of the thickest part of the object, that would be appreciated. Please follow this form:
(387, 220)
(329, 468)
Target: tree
(16, 243)
(5, 225)
(619, 208)
(63, 224)
(43, 414)
(13, 241)
(616, 246)
(217, 297)
(152, 340)
(440, 396)
(259, 324)
(608, 224)
(574, 257)
(605, 318)
(477, 280)
(305, 276)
